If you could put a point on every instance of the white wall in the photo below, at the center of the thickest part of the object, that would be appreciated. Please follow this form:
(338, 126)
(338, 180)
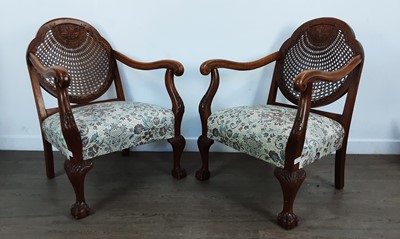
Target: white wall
(194, 31)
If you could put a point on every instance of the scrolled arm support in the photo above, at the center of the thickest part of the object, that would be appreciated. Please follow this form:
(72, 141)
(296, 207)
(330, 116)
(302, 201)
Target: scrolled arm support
(178, 107)
(297, 135)
(175, 66)
(209, 65)
(205, 103)
(68, 125)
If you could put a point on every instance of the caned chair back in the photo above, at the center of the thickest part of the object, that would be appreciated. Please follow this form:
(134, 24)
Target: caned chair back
(85, 55)
(325, 44)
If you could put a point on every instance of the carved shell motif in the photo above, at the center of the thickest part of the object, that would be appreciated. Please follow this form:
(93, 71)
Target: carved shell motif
(322, 35)
(69, 35)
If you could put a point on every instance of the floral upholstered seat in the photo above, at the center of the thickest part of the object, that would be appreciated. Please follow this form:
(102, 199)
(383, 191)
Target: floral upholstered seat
(113, 126)
(263, 131)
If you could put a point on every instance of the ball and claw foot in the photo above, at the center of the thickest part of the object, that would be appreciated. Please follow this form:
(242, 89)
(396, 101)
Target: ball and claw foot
(202, 174)
(178, 173)
(80, 210)
(287, 220)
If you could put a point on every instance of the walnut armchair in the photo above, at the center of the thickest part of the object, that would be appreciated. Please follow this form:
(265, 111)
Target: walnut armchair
(70, 60)
(320, 63)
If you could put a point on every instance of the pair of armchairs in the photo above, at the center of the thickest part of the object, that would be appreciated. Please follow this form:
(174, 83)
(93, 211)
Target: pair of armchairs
(321, 62)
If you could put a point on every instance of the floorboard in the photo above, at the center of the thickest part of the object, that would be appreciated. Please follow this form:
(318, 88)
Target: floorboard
(135, 197)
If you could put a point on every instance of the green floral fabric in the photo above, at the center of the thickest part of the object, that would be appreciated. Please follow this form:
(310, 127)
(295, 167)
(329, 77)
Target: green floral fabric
(113, 126)
(263, 131)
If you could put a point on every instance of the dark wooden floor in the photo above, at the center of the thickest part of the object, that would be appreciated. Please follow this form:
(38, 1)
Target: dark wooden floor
(135, 197)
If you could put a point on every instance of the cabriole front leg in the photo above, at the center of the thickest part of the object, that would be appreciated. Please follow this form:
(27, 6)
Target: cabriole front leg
(76, 172)
(290, 183)
(178, 144)
(204, 145)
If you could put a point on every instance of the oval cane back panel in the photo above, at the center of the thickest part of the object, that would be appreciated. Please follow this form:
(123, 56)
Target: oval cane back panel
(78, 47)
(322, 46)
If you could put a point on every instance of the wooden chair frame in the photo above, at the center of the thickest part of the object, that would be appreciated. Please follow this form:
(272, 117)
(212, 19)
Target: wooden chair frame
(70, 30)
(291, 177)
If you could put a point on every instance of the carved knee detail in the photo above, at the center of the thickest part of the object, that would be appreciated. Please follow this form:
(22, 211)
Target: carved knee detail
(77, 169)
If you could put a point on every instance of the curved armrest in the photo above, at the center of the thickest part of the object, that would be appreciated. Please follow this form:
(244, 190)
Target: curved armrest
(175, 66)
(58, 73)
(68, 126)
(307, 77)
(209, 65)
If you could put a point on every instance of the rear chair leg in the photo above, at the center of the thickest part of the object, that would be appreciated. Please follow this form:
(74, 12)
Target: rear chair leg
(76, 172)
(204, 145)
(340, 159)
(125, 152)
(178, 144)
(290, 183)
(48, 157)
